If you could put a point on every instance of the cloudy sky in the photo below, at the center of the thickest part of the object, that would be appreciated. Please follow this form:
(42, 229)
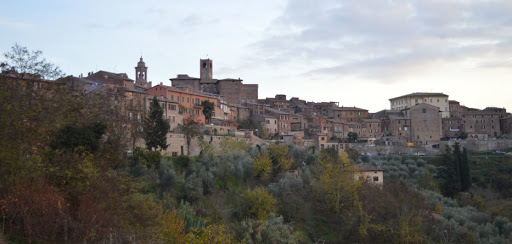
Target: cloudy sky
(356, 52)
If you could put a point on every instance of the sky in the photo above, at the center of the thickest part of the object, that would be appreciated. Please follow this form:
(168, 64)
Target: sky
(356, 52)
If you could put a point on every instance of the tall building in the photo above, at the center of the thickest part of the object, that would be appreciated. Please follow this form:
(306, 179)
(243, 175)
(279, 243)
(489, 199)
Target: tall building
(231, 90)
(141, 75)
(439, 100)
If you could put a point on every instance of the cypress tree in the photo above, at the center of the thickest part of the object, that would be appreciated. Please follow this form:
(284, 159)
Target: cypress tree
(449, 174)
(156, 127)
(465, 172)
(457, 158)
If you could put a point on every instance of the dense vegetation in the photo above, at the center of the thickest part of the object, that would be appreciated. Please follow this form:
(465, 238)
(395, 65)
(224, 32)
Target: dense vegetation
(66, 178)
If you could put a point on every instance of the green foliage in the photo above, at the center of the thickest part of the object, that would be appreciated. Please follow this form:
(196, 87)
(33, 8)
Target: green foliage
(262, 166)
(281, 161)
(273, 230)
(232, 145)
(208, 109)
(338, 187)
(352, 136)
(182, 162)
(454, 172)
(353, 154)
(247, 124)
(259, 203)
(86, 137)
(147, 158)
(156, 127)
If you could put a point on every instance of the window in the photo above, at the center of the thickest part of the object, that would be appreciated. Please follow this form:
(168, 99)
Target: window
(178, 98)
(188, 100)
(172, 97)
(375, 178)
(183, 99)
(424, 110)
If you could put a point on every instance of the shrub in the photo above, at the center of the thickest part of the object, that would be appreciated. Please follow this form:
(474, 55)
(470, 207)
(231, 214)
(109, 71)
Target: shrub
(259, 203)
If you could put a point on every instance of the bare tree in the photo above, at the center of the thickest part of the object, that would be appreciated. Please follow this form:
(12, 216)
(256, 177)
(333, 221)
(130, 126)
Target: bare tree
(24, 62)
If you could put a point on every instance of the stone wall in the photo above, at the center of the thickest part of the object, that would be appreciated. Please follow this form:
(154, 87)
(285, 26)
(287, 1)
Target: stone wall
(481, 145)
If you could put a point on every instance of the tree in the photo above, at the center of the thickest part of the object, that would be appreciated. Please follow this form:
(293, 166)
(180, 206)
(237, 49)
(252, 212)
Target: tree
(156, 127)
(465, 174)
(259, 203)
(338, 187)
(352, 137)
(87, 137)
(262, 166)
(190, 129)
(22, 61)
(449, 174)
(353, 154)
(208, 108)
(280, 159)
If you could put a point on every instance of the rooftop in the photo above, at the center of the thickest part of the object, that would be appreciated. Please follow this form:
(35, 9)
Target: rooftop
(423, 94)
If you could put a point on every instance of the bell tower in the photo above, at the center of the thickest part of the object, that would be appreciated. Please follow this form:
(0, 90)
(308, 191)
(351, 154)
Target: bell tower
(141, 74)
(206, 68)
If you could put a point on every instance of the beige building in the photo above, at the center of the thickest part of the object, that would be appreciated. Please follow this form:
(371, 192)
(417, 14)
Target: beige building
(439, 100)
(373, 174)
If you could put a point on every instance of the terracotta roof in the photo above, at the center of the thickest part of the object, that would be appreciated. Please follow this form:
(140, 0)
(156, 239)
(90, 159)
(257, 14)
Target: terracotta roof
(276, 111)
(184, 77)
(172, 88)
(349, 108)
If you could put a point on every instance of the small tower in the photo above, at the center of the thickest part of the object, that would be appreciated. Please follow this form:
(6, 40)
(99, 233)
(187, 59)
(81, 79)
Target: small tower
(206, 68)
(141, 74)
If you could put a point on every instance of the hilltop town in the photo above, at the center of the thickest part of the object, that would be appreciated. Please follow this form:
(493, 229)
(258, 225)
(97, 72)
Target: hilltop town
(102, 157)
(417, 120)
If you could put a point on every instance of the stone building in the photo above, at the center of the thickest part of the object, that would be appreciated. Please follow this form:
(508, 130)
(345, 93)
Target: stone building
(230, 90)
(186, 100)
(285, 118)
(371, 129)
(425, 124)
(348, 114)
(268, 123)
(439, 100)
(483, 123)
(452, 127)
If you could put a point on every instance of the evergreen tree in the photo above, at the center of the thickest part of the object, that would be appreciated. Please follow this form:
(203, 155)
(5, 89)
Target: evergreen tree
(465, 172)
(457, 161)
(156, 127)
(449, 174)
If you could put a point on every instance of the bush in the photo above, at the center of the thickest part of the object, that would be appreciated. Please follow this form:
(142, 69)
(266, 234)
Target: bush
(258, 203)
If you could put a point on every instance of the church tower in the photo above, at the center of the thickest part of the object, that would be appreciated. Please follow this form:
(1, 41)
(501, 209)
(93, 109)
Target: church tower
(141, 74)
(206, 69)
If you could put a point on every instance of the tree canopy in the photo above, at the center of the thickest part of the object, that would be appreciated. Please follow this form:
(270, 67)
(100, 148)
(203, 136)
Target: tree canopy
(156, 127)
(23, 61)
(208, 109)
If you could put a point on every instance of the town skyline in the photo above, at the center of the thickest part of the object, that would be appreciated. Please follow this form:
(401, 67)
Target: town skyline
(354, 57)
